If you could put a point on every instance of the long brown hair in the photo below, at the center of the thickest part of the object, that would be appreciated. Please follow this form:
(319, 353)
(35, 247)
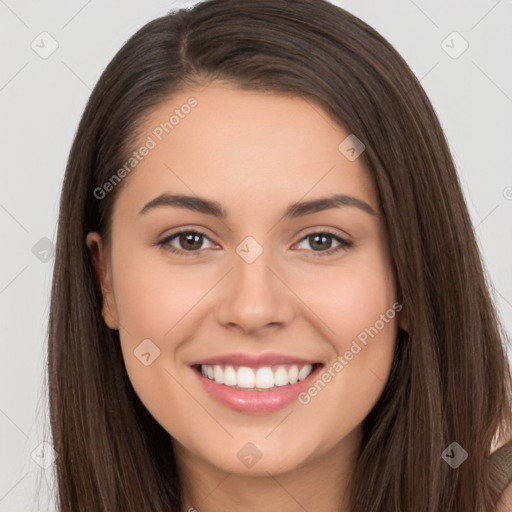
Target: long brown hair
(450, 380)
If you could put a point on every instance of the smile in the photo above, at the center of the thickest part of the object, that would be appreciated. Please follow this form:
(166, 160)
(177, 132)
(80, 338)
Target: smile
(256, 379)
(256, 390)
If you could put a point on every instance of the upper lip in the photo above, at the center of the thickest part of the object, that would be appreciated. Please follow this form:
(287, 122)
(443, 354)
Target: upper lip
(252, 360)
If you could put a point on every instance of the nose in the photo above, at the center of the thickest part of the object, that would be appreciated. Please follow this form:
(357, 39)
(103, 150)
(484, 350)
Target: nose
(255, 296)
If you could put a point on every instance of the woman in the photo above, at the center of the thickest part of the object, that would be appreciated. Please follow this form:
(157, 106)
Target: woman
(327, 341)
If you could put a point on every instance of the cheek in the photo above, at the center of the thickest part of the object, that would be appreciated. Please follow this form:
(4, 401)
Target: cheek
(362, 331)
(152, 296)
(357, 306)
(351, 298)
(152, 301)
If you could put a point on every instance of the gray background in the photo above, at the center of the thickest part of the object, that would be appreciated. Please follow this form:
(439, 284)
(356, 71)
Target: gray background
(41, 100)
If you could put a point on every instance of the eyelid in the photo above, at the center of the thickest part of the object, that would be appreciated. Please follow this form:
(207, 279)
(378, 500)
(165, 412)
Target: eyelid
(332, 231)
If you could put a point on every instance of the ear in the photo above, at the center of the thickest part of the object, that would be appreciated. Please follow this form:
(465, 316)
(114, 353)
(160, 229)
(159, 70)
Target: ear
(402, 320)
(103, 278)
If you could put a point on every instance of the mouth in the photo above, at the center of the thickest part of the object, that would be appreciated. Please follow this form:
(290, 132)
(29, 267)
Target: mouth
(256, 389)
(263, 378)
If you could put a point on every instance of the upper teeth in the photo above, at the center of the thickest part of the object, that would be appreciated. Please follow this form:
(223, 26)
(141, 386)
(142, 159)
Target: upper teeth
(261, 378)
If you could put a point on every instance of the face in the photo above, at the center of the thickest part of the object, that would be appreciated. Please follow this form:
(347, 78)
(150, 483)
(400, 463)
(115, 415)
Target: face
(300, 303)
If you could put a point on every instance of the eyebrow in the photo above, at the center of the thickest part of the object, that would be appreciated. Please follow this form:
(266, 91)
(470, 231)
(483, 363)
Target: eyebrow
(294, 210)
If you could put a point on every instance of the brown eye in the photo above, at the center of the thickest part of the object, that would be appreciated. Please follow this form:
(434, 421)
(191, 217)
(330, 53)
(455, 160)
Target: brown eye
(189, 241)
(321, 242)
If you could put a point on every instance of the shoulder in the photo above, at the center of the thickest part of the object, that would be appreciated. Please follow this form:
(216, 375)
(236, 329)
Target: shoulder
(501, 461)
(505, 502)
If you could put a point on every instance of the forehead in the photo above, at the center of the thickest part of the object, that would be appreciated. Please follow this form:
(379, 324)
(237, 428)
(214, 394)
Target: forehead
(244, 147)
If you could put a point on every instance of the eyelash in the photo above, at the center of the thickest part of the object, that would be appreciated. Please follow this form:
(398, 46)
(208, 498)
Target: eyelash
(343, 243)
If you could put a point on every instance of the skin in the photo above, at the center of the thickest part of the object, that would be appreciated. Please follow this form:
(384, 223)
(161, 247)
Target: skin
(255, 153)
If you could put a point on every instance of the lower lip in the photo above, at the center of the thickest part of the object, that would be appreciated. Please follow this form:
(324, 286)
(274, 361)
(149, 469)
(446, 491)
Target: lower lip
(253, 400)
